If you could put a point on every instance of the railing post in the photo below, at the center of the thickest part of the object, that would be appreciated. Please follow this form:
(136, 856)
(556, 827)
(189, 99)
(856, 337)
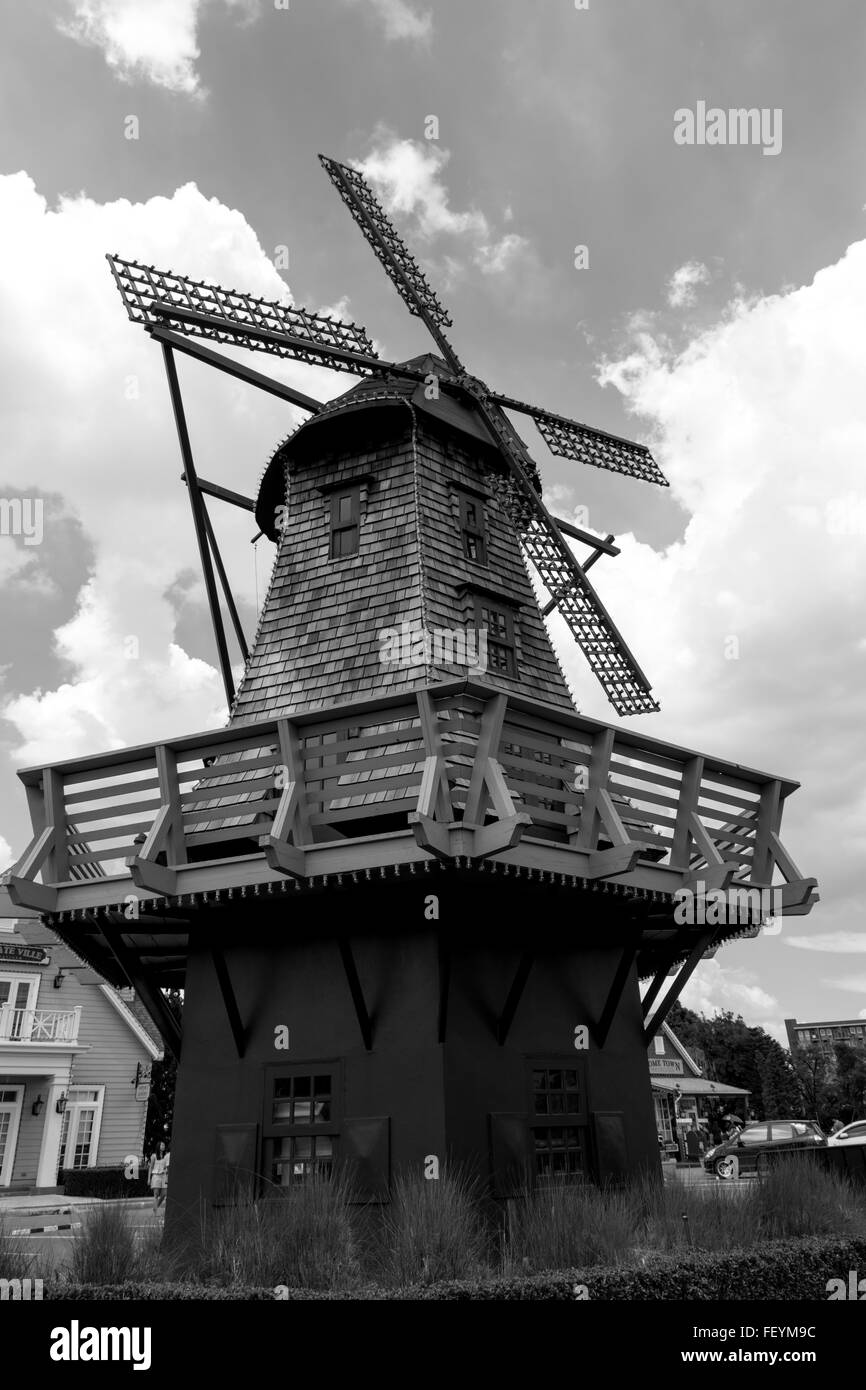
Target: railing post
(76, 1022)
(169, 795)
(57, 862)
(769, 823)
(5, 1013)
(598, 773)
(690, 788)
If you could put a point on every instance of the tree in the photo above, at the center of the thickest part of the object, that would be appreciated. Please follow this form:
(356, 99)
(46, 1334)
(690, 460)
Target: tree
(160, 1105)
(850, 1081)
(780, 1090)
(815, 1081)
(743, 1056)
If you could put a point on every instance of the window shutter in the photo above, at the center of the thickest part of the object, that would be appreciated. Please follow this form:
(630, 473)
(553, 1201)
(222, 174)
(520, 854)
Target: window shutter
(509, 1154)
(365, 1149)
(234, 1164)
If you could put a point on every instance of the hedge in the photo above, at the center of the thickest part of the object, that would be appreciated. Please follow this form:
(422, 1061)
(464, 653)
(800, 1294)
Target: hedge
(780, 1270)
(102, 1182)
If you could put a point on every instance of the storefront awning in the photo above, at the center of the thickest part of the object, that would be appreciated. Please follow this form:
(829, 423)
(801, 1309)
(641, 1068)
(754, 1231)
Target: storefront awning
(695, 1086)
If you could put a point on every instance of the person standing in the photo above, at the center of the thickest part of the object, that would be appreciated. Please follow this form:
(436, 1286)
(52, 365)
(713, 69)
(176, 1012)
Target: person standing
(157, 1173)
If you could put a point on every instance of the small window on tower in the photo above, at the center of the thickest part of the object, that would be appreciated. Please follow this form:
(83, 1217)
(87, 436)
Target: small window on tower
(498, 624)
(345, 522)
(472, 528)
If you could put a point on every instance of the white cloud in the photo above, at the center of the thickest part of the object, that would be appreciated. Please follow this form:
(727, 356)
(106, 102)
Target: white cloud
(6, 855)
(156, 40)
(400, 19)
(854, 984)
(684, 282)
(751, 627)
(714, 988)
(86, 414)
(495, 258)
(836, 943)
(408, 178)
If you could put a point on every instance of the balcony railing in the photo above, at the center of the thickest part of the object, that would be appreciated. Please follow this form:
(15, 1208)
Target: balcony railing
(459, 773)
(38, 1025)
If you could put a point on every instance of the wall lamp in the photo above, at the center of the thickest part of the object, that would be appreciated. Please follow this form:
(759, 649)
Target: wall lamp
(58, 979)
(61, 1104)
(38, 1106)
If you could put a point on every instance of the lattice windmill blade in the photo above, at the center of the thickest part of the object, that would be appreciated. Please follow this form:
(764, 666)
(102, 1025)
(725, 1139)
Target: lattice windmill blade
(392, 253)
(585, 444)
(610, 660)
(159, 298)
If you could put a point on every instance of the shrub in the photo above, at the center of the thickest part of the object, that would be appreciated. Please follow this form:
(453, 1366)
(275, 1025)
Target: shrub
(107, 1252)
(781, 1270)
(302, 1235)
(16, 1262)
(432, 1230)
(563, 1226)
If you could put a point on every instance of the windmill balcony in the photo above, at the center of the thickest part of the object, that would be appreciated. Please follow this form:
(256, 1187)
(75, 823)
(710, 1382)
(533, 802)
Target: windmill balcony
(456, 772)
(28, 1026)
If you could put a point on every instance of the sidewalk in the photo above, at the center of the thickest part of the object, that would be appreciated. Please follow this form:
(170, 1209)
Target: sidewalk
(55, 1204)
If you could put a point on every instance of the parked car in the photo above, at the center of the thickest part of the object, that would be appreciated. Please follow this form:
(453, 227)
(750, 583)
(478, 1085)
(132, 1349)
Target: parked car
(854, 1133)
(753, 1149)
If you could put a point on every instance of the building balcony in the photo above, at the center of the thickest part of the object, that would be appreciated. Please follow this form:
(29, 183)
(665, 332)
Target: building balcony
(459, 773)
(24, 1027)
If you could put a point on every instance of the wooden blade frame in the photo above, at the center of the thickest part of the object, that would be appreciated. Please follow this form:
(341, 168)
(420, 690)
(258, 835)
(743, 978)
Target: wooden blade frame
(209, 311)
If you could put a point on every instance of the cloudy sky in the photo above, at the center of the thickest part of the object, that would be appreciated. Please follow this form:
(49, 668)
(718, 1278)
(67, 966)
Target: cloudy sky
(719, 318)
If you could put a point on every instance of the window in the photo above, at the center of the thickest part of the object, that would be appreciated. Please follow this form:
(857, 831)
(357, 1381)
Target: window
(659, 1044)
(300, 1124)
(79, 1137)
(756, 1134)
(498, 623)
(345, 522)
(472, 527)
(558, 1123)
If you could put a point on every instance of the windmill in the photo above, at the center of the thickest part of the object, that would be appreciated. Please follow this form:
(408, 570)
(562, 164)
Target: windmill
(174, 309)
(409, 905)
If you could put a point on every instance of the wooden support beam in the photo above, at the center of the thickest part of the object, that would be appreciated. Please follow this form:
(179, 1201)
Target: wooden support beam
(687, 804)
(290, 831)
(679, 984)
(226, 587)
(601, 1029)
(57, 865)
(515, 993)
(235, 369)
(230, 1003)
(487, 747)
(223, 494)
(165, 835)
(365, 1023)
(150, 995)
(661, 974)
(199, 522)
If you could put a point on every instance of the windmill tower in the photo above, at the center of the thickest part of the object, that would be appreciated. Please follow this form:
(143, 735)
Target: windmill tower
(409, 890)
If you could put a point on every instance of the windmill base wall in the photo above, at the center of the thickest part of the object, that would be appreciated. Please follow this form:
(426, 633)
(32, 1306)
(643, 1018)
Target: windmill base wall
(410, 1097)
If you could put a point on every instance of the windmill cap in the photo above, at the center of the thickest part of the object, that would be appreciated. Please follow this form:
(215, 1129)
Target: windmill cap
(382, 399)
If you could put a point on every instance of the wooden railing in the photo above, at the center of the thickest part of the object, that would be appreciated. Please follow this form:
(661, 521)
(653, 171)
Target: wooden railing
(460, 770)
(39, 1025)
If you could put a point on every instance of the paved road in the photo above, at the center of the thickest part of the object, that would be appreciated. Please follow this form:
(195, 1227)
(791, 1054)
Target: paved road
(48, 1237)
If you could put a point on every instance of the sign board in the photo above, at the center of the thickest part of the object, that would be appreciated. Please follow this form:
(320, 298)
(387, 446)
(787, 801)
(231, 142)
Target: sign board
(23, 955)
(143, 1074)
(667, 1066)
